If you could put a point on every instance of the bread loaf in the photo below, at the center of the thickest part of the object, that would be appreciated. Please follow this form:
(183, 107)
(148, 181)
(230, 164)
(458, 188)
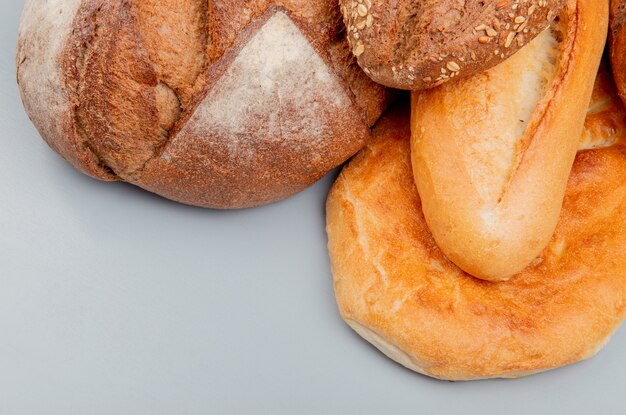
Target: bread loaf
(223, 104)
(492, 154)
(397, 289)
(416, 45)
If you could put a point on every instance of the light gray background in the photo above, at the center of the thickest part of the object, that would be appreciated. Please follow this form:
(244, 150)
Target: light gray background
(114, 301)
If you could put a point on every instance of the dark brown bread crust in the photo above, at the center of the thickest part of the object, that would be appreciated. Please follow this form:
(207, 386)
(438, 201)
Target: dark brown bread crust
(415, 45)
(617, 45)
(155, 93)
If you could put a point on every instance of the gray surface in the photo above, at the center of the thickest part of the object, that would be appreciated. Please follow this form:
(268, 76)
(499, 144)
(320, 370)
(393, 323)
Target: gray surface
(114, 301)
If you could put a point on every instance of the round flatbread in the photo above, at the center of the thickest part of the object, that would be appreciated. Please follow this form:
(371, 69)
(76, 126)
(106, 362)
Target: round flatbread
(397, 289)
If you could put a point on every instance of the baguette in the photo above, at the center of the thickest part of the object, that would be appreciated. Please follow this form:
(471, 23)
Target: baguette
(397, 289)
(492, 154)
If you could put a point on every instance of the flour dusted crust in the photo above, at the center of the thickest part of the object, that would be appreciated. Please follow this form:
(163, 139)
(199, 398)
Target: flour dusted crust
(311, 112)
(397, 289)
(417, 45)
(45, 30)
(492, 154)
(223, 104)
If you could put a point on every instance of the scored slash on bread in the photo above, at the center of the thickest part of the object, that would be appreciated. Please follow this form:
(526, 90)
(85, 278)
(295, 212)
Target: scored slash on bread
(223, 104)
(492, 154)
(416, 45)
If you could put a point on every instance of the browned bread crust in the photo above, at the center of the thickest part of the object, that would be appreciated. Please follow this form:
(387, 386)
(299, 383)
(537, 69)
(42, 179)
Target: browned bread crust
(617, 45)
(223, 104)
(397, 289)
(416, 45)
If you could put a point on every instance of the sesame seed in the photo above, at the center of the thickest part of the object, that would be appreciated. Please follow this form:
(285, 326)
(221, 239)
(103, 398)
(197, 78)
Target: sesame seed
(453, 66)
(359, 49)
(509, 39)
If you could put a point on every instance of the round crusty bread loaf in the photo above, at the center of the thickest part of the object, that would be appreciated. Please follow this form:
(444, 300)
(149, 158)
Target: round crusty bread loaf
(223, 104)
(397, 289)
(492, 153)
(416, 45)
(617, 45)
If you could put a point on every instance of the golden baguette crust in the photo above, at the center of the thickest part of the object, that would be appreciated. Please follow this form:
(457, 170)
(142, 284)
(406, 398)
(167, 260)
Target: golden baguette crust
(398, 290)
(493, 202)
(416, 45)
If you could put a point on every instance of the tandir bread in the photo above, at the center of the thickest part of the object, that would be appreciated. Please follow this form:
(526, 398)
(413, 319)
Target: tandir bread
(492, 153)
(411, 44)
(397, 289)
(224, 104)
